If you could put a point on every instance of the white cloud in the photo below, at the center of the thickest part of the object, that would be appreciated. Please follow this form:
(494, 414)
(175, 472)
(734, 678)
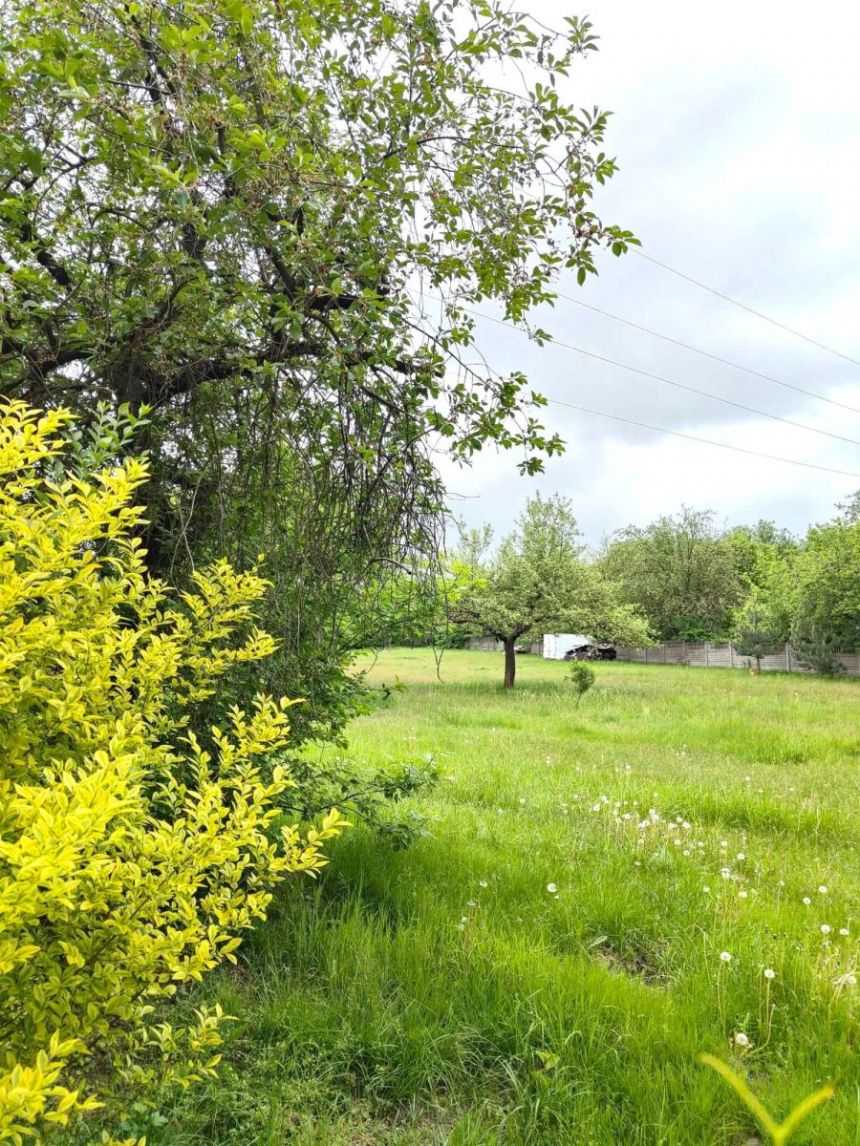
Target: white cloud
(735, 130)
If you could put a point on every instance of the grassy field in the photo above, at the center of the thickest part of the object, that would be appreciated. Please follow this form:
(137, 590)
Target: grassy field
(545, 964)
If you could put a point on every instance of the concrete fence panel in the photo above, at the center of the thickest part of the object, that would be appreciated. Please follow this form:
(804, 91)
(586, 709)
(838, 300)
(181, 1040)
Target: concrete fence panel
(706, 655)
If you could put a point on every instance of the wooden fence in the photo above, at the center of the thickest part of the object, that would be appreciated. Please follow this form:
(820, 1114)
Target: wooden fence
(707, 655)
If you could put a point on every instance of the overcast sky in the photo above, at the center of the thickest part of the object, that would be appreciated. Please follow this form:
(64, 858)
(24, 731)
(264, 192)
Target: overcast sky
(737, 131)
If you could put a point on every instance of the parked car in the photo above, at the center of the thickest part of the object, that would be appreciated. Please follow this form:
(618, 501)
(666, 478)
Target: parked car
(596, 652)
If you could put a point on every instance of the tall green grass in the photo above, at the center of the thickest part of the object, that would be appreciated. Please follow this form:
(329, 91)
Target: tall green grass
(543, 967)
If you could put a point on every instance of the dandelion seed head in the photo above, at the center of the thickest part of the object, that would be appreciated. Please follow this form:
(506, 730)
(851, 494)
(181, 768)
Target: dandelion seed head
(552, 888)
(725, 956)
(741, 1039)
(807, 900)
(769, 973)
(825, 928)
(822, 890)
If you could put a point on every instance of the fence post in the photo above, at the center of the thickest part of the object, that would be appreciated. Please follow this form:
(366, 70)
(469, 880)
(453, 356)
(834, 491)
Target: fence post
(788, 654)
(731, 655)
(707, 654)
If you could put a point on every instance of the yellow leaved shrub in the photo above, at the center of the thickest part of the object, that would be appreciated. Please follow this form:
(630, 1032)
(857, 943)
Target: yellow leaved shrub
(133, 852)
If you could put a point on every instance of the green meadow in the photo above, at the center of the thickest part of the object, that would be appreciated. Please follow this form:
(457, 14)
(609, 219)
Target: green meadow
(597, 898)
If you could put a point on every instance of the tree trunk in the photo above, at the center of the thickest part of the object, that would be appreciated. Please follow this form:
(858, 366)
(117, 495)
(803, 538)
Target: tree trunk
(510, 662)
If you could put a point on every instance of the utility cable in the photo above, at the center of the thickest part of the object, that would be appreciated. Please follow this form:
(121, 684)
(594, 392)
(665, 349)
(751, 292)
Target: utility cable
(667, 381)
(703, 441)
(748, 309)
(708, 354)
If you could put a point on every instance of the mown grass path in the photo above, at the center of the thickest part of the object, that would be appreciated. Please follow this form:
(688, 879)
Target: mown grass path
(545, 964)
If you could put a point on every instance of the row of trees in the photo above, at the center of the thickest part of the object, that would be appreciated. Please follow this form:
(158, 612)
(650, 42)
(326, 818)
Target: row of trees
(679, 578)
(758, 585)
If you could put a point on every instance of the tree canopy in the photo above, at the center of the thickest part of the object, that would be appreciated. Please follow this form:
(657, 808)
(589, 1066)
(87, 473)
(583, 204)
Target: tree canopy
(680, 572)
(266, 221)
(539, 582)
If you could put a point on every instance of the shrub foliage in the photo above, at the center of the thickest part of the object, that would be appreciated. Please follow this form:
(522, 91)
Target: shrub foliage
(133, 851)
(582, 677)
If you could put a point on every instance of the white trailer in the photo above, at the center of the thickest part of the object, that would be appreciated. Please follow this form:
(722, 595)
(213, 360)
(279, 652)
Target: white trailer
(555, 645)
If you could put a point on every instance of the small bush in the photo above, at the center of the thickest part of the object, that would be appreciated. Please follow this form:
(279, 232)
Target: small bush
(582, 678)
(133, 851)
(816, 650)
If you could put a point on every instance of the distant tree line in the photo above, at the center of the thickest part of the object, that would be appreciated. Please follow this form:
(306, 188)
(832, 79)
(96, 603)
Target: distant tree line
(758, 585)
(683, 577)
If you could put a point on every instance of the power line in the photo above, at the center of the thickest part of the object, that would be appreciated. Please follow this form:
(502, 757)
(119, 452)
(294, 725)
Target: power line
(703, 441)
(670, 381)
(708, 354)
(748, 309)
